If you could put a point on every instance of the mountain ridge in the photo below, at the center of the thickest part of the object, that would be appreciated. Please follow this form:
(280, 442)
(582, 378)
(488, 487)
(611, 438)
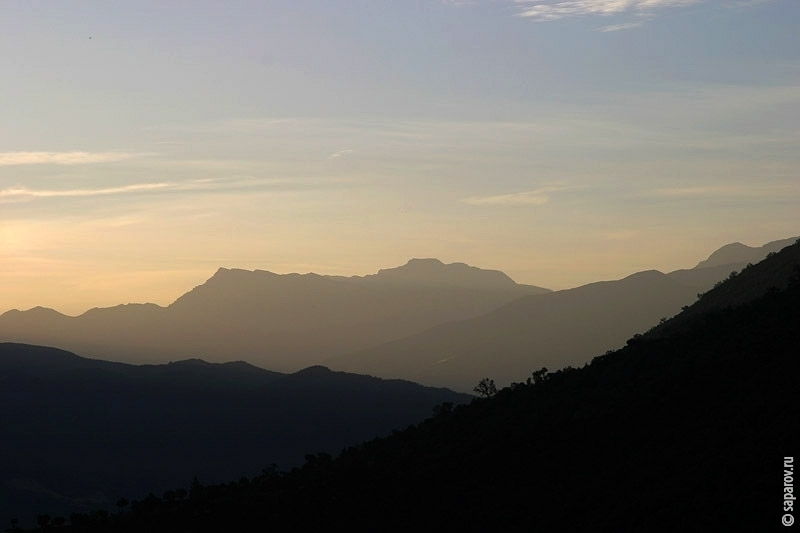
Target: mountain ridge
(434, 271)
(287, 322)
(529, 332)
(737, 252)
(281, 321)
(110, 428)
(658, 435)
(734, 254)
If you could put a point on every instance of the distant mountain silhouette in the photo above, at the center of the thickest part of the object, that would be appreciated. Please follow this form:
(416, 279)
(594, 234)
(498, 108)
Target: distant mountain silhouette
(774, 273)
(434, 273)
(282, 322)
(440, 324)
(688, 431)
(560, 328)
(739, 253)
(79, 431)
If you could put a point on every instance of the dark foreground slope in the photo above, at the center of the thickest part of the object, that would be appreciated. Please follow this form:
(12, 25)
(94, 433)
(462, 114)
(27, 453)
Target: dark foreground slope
(79, 433)
(687, 432)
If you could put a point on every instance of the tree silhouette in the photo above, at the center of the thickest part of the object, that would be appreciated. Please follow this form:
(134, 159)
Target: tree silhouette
(538, 376)
(486, 388)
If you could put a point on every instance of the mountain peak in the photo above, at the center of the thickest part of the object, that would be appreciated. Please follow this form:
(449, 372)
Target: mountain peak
(425, 261)
(737, 252)
(432, 271)
(315, 370)
(237, 273)
(647, 275)
(191, 362)
(774, 273)
(34, 313)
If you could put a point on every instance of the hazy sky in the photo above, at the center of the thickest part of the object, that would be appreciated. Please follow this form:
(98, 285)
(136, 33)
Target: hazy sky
(143, 144)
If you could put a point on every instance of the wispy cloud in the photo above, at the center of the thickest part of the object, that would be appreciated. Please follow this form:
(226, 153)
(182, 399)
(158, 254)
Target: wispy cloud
(232, 184)
(63, 158)
(24, 192)
(341, 153)
(536, 197)
(546, 10)
(624, 26)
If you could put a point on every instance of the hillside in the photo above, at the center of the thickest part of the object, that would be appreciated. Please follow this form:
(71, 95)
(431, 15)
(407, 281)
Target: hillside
(80, 432)
(741, 253)
(775, 273)
(658, 436)
(561, 328)
(566, 327)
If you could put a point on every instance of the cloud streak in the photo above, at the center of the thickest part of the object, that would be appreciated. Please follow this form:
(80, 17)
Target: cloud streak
(548, 10)
(24, 192)
(208, 185)
(341, 153)
(536, 197)
(624, 26)
(63, 158)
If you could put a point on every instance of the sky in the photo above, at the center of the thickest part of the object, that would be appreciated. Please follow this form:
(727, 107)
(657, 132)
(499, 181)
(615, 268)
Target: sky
(145, 144)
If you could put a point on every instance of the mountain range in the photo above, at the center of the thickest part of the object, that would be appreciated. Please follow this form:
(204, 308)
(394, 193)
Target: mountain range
(741, 253)
(79, 433)
(280, 322)
(683, 429)
(553, 330)
(434, 323)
